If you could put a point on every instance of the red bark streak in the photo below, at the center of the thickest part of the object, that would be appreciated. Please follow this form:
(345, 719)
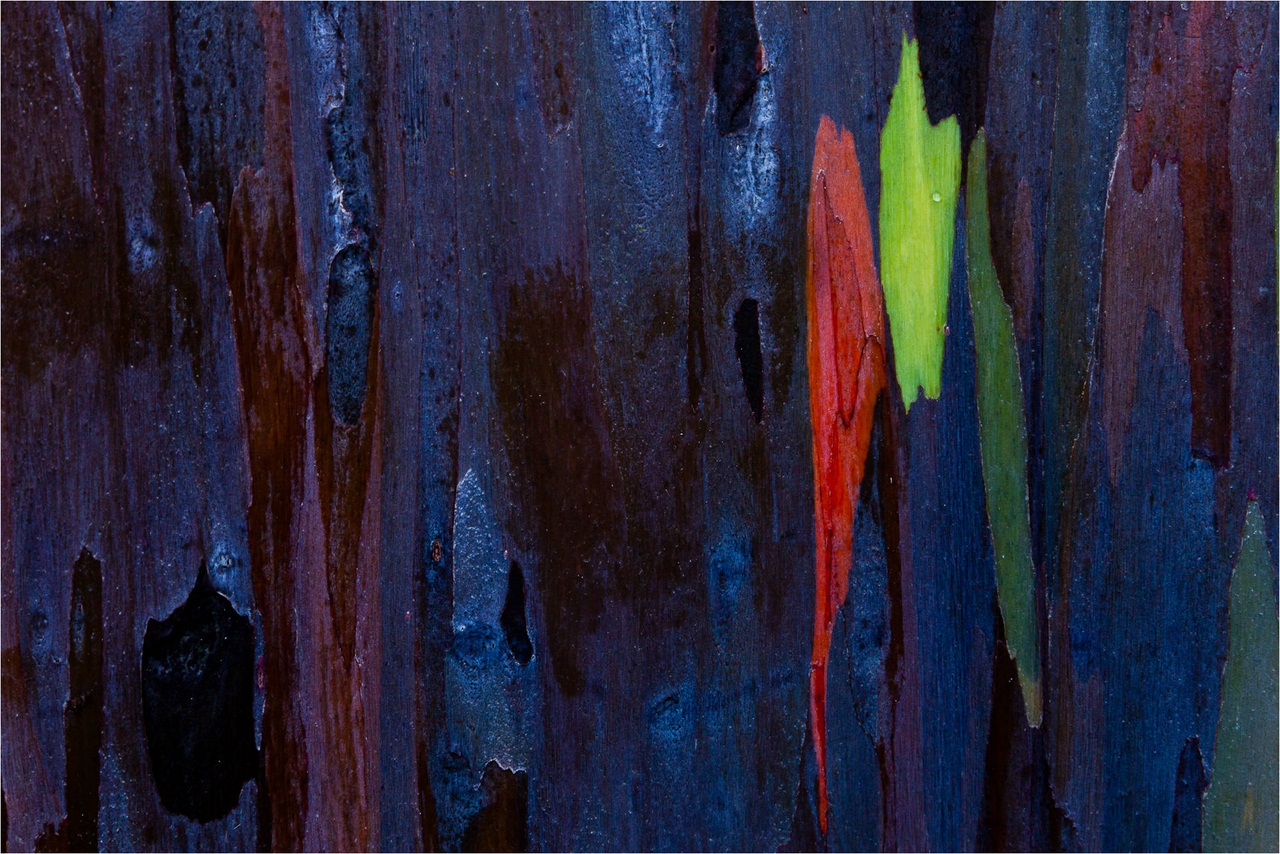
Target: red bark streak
(260, 266)
(846, 373)
(1180, 109)
(1205, 190)
(1140, 266)
(314, 518)
(269, 320)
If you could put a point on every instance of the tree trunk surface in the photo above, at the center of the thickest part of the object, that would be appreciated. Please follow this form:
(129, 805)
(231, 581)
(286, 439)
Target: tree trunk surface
(410, 421)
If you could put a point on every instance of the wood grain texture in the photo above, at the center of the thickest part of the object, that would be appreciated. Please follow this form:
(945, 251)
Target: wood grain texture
(467, 348)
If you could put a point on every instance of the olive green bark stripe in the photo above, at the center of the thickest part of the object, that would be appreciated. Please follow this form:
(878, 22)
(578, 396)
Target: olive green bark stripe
(1240, 807)
(1003, 434)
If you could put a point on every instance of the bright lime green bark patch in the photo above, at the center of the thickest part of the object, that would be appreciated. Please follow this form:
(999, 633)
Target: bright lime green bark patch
(1240, 808)
(920, 179)
(1003, 433)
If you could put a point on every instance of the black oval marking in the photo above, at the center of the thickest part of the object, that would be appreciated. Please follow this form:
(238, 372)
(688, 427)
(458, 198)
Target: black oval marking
(197, 704)
(353, 291)
(746, 326)
(512, 619)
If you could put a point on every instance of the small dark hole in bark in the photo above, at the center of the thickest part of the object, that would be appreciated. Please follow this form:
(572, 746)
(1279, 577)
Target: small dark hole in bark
(746, 325)
(513, 621)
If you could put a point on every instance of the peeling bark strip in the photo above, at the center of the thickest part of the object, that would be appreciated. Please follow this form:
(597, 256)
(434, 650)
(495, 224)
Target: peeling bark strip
(920, 168)
(1004, 439)
(846, 374)
(84, 721)
(552, 418)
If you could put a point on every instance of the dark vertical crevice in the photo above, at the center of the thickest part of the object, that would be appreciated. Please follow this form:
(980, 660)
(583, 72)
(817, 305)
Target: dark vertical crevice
(695, 357)
(502, 824)
(264, 805)
(433, 592)
(82, 717)
(512, 619)
(891, 471)
(1186, 831)
(746, 326)
(1019, 812)
(82, 726)
(993, 826)
(739, 62)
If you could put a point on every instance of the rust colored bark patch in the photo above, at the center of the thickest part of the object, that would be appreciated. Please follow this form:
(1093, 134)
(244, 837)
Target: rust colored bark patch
(1140, 266)
(544, 378)
(846, 373)
(267, 312)
(1180, 110)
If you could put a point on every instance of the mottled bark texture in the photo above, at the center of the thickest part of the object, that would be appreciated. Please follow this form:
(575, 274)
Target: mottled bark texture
(408, 438)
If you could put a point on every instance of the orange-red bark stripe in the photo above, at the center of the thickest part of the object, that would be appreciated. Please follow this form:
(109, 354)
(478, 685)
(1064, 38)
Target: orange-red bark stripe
(846, 373)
